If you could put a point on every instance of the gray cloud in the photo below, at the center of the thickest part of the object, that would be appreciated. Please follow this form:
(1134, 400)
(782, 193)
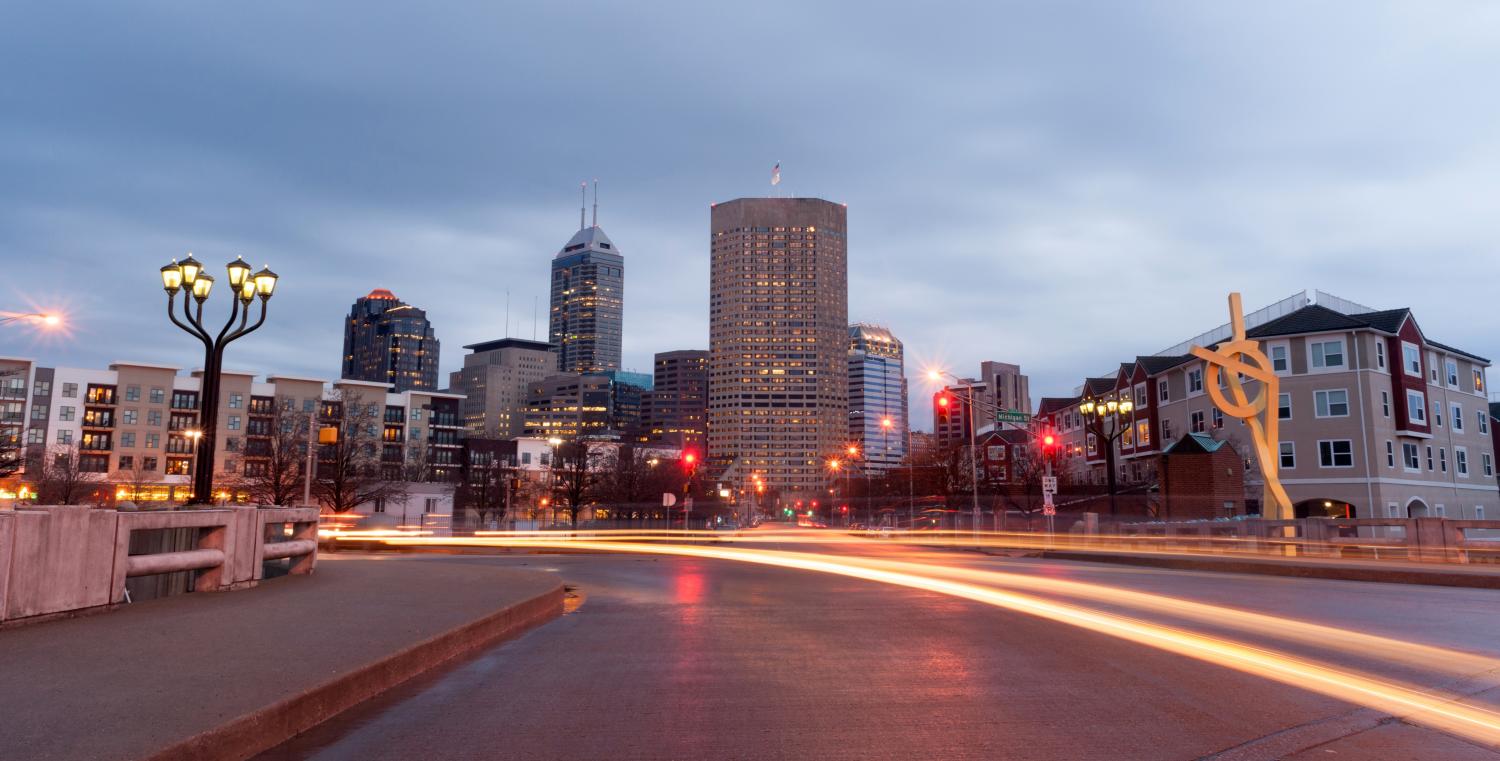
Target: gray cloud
(1059, 185)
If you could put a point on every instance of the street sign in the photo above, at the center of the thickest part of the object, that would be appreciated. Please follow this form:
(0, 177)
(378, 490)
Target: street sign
(1049, 484)
(1011, 416)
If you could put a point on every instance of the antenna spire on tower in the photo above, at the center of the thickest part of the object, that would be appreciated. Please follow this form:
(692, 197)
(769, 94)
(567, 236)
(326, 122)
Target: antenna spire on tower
(583, 201)
(596, 202)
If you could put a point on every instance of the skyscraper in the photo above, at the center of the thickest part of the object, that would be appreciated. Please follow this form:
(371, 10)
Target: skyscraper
(586, 319)
(877, 396)
(388, 341)
(674, 411)
(778, 341)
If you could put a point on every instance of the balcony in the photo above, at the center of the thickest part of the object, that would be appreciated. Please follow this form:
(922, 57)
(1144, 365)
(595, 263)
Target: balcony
(93, 418)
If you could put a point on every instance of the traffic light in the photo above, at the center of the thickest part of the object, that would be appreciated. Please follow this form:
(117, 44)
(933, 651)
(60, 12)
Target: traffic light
(1049, 441)
(844, 509)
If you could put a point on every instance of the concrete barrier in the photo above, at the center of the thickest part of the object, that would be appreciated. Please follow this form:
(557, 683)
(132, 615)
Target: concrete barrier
(61, 560)
(1428, 540)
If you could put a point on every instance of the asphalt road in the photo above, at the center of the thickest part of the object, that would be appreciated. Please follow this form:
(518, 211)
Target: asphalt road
(682, 658)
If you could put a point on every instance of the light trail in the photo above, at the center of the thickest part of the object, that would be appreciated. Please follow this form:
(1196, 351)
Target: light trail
(1448, 714)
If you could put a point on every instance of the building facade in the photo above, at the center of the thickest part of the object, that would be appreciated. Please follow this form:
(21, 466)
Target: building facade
(1000, 386)
(131, 426)
(778, 341)
(1376, 419)
(877, 397)
(675, 411)
(388, 341)
(495, 382)
(586, 317)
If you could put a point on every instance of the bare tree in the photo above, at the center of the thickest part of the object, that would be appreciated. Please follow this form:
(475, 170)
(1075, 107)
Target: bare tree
(575, 469)
(483, 488)
(63, 480)
(349, 472)
(273, 465)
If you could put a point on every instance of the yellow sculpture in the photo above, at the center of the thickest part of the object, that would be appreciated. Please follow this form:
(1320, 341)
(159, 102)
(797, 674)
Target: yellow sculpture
(1241, 357)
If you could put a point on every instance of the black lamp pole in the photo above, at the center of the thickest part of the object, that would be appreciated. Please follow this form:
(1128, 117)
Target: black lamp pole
(189, 274)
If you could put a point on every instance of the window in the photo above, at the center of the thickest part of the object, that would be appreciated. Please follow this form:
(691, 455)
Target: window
(1479, 512)
(1380, 354)
(36, 436)
(178, 466)
(38, 412)
(64, 413)
(1451, 368)
(1416, 407)
(1143, 433)
(1331, 403)
(995, 453)
(1338, 453)
(1163, 394)
(1288, 455)
(70, 390)
(158, 396)
(1141, 399)
(1127, 439)
(308, 405)
(234, 422)
(231, 444)
(1432, 368)
(1218, 417)
(1478, 381)
(1461, 461)
(1488, 462)
(1327, 355)
(229, 466)
(236, 401)
(429, 505)
(127, 439)
(1166, 431)
(153, 440)
(130, 416)
(65, 437)
(1195, 380)
(1385, 403)
(1279, 361)
(1410, 456)
(132, 394)
(1429, 457)
(1196, 422)
(1284, 406)
(1412, 359)
(44, 388)
(127, 462)
(525, 458)
(153, 418)
(1390, 454)
(148, 464)
(380, 504)
(1093, 445)
(1437, 414)
(1443, 459)
(1483, 417)
(1458, 417)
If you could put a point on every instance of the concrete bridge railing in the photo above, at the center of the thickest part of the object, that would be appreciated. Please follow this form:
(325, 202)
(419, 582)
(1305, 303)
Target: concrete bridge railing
(57, 560)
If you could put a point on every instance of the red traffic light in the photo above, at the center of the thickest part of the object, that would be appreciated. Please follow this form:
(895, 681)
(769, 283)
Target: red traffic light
(843, 508)
(1049, 441)
(689, 458)
(943, 400)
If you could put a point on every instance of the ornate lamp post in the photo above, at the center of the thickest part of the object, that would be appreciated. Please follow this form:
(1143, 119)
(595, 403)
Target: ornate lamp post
(188, 274)
(1107, 420)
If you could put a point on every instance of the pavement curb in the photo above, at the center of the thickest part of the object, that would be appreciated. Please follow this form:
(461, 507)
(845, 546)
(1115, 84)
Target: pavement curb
(1433, 577)
(265, 728)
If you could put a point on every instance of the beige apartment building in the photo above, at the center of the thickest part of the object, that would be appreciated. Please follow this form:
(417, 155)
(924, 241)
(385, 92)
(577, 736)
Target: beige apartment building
(496, 382)
(1377, 419)
(131, 425)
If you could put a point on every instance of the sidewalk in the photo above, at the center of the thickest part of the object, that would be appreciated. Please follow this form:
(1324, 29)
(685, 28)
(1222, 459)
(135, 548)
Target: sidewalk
(1482, 576)
(226, 675)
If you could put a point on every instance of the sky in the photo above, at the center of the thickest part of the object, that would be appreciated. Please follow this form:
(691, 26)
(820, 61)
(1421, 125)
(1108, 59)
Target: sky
(1059, 185)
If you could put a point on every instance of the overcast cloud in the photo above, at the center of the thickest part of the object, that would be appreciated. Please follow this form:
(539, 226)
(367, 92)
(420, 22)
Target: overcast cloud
(1061, 185)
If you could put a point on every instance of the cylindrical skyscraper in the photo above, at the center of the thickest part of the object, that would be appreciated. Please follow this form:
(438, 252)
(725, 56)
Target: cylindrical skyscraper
(779, 341)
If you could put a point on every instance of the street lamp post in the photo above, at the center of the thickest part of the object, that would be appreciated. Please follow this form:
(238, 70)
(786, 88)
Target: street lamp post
(189, 274)
(1117, 414)
(973, 440)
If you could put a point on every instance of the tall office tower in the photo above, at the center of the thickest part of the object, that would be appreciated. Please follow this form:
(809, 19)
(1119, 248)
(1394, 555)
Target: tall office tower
(877, 397)
(588, 298)
(495, 381)
(778, 340)
(387, 341)
(676, 409)
(1009, 389)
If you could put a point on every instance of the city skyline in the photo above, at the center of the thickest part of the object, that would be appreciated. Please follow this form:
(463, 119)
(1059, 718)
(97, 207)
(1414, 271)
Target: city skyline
(1067, 205)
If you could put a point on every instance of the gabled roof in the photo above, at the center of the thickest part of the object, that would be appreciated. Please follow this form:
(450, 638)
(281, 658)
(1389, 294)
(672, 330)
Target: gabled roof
(1453, 350)
(1050, 404)
(1193, 443)
(1313, 318)
(588, 239)
(1097, 386)
(1389, 320)
(1155, 365)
